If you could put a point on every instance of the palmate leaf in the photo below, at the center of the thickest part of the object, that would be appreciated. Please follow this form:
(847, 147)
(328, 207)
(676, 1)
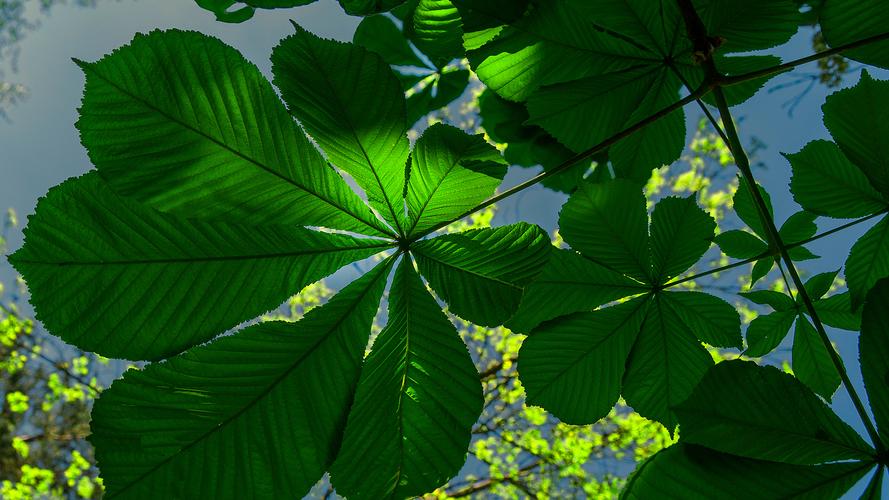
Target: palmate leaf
(112, 276)
(651, 355)
(273, 400)
(850, 178)
(482, 273)
(417, 399)
(769, 432)
(210, 137)
(588, 69)
(349, 101)
(163, 267)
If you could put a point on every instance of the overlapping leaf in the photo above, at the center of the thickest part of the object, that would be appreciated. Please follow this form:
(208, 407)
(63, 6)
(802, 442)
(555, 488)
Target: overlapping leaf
(849, 178)
(740, 244)
(195, 222)
(648, 349)
(434, 29)
(589, 69)
(811, 359)
(769, 432)
(846, 21)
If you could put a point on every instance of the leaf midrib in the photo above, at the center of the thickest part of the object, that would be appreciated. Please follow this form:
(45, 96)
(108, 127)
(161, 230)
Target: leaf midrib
(296, 363)
(186, 260)
(223, 145)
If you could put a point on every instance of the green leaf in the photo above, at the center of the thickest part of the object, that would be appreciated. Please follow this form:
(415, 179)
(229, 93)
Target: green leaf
(766, 332)
(875, 486)
(798, 227)
(817, 286)
(483, 19)
(777, 300)
(836, 311)
(569, 283)
(608, 222)
(767, 415)
(761, 268)
(446, 87)
(688, 471)
(482, 273)
(750, 24)
(436, 29)
(417, 399)
(709, 318)
(739, 244)
(825, 182)
(800, 253)
(846, 21)
(681, 232)
(96, 262)
(868, 261)
(451, 172)
(182, 122)
(873, 352)
(811, 360)
(221, 8)
(573, 366)
(368, 7)
(745, 206)
(379, 34)
(666, 363)
(350, 102)
(734, 66)
(257, 413)
(528, 145)
(858, 120)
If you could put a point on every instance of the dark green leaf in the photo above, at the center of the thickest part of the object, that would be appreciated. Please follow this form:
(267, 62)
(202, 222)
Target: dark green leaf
(761, 268)
(845, 21)
(379, 34)
(739, 244)
(277, 391)
(827, 183)
(798, 227)
(734, 66)
(417, 399)
(95, 261)
(858, 120)
(687, 471)
(874, 489)
(436, 29)
(173, 119)
(569, 283)
(350, 102)
(666, 363)
(800, 254)
(766, 332)
(573, 366)
(837, 312)
(873, 351)
(817, 286)
(681, 232)
(868, 261)
(811, 360)
(482, 273)
(451, 172)
(709, 318)
(368, 7)
(745, 207)
(777, 300)
(608, 223)
(749, 24)
(223, 12)
(437, 94)
(767, 415)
